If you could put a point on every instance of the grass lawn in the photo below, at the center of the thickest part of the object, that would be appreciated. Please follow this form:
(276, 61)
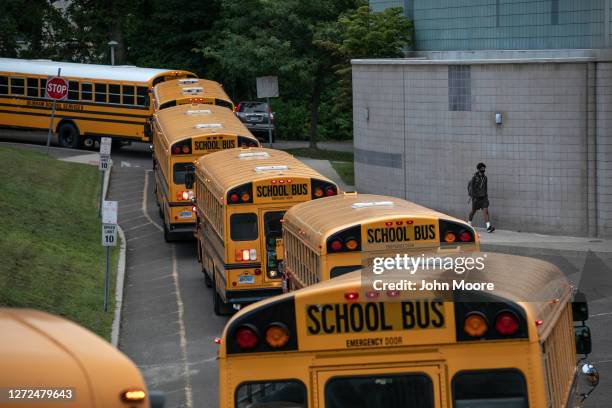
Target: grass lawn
(50, 239)
(330, 155)
(346, 171)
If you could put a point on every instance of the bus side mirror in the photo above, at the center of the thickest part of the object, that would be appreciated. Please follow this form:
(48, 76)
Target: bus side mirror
(580, 308)
(157, 399)
(583, 339)
(189, 179)
(588, 377)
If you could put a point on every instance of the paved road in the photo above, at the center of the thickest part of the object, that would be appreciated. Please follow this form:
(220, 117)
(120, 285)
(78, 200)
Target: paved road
(168, 325)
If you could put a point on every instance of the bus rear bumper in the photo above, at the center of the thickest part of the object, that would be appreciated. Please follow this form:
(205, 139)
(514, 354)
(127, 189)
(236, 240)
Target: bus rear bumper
(251, 295)
(182, 231)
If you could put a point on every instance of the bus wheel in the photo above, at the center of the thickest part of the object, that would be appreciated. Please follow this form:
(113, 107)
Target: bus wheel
(68, 136)
(220, 307)
(207, 281)
(167, 234)
(89, 143)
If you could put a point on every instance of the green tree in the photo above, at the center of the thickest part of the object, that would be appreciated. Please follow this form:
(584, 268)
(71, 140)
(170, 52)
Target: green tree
(273, 37)
(33, 29)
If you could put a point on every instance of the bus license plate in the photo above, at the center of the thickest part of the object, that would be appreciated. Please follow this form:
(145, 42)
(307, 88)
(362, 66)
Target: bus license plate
(246, 279)
(185, 214)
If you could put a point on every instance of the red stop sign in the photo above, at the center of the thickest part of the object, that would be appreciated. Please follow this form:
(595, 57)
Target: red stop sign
(57, 88)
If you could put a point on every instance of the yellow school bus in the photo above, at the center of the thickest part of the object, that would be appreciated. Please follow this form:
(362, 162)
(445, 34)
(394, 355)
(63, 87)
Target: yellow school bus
(51, 362)
(102, 100)
(190, 90)
(241, 197)
(340, 343)
(330, 237)
(182, 134)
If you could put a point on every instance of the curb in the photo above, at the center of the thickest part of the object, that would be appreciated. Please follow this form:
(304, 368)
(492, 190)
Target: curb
(120, 278)
(119, 290)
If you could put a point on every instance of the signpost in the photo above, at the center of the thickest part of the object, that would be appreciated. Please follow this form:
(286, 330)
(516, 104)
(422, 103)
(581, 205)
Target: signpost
(56, 89)
(109, 239)
(105, 164)
(267, 87)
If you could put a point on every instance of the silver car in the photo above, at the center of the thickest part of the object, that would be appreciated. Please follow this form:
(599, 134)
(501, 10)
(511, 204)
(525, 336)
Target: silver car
(257, 117)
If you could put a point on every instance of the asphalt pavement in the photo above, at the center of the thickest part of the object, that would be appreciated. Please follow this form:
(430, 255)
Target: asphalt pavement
(168, 326)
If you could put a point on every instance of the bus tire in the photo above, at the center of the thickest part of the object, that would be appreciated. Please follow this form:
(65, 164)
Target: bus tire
(207, 281)
(167, 234)
(219, 306)
(68, 136)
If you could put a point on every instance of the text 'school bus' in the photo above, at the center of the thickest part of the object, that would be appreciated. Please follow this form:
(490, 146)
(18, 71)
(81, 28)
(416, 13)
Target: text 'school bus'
(330, 237)
(181, 135)
(340, 344)
(190, 90)
(102, 100)
(50, 362)
(241, 197)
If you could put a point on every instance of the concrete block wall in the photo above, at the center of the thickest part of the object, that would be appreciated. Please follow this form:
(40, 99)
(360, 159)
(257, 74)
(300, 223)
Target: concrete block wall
(547, 172)
(604, 148)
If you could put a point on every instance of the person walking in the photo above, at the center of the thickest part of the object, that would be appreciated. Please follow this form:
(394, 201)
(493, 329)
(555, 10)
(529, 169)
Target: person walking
(477, 189)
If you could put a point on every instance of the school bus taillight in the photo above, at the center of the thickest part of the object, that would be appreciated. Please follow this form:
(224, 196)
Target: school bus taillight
(506, 323)
(246, 337)
(277, 335)
(475, 324)
(246, 255)
(133, 395)
(465, 236)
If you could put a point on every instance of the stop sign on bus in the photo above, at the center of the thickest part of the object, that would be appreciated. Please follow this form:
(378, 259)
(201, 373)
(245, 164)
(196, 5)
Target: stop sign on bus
(57, 88)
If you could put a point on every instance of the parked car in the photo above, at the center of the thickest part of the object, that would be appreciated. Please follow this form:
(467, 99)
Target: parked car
(257, 117)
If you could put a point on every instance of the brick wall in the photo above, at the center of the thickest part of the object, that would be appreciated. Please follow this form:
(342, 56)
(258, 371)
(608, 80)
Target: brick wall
(416, 138)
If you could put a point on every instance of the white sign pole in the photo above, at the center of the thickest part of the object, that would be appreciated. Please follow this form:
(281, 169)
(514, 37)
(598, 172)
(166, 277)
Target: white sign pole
(59, 71)
(109, 239)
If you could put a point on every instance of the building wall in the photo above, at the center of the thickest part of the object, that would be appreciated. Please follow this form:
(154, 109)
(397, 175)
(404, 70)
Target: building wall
(420, 130)
(442, 25)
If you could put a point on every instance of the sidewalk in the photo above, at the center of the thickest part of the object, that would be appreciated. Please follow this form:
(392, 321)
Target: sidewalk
(339, 146)
(507, 238)
(325, 168)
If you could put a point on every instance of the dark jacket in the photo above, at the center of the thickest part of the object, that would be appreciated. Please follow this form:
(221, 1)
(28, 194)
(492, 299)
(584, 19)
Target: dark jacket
(479, 185)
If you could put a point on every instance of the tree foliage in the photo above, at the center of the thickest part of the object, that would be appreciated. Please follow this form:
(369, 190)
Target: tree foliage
(307, 44)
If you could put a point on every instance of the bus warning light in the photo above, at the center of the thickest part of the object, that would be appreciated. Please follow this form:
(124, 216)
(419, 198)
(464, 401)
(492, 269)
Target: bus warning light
(475, 325)
(506, 323)
(277, 335)
(246, 337)
(350, 296)
(336, 245)
(450, 237)
(465, 236)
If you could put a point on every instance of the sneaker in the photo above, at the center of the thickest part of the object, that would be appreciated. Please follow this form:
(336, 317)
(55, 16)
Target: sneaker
(490, 229)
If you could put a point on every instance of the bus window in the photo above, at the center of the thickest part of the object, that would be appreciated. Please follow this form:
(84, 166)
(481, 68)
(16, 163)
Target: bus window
(17, 86)
(289, 394)
(143, 96)
(273, 231)
(86, 91)
(341, 270)
(42, 87)
(179, 170)
(32, 87)
(3, 85)
(243, 227)
(128, 95)
(114, 93)
(100, 93)
(490, 388)
(380, 391)
(73, 90)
